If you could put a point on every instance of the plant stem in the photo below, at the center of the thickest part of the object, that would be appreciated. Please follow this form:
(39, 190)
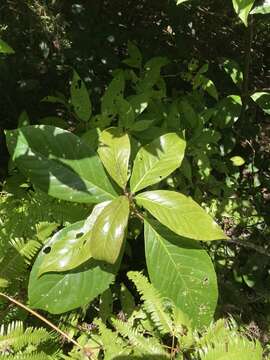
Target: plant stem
(54, 327)
(245, 86)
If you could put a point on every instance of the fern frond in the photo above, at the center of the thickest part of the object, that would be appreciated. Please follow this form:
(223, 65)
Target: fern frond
(112, 344)
(144, 345)
(28, 249)
(153, 304)
(236, 349)
(16, 338)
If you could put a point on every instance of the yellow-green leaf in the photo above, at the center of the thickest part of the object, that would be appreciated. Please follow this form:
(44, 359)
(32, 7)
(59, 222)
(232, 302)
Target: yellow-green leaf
(242, 9)
(157, 160)
(109, 230)
(237, 160)
(5, 48)
(182, 271)
(180, 214)
(70, 247)
(114, 152)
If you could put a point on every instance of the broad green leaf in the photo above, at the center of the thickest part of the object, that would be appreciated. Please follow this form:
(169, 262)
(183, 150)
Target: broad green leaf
(264, 8)
(60, 164)
(180, 214)
(228, 111)
(262, 99)
(190, 116)
(70, 247)
(242, 9)
(109, 230)
(113, 93)
(207, 85)
(125, 112)
(140, 102)
(61, 292)
(80, 98)
(151, 74)
(157, 160)
(237, 160)
(135, 56)
(233, 70)
(5, 48)
(114, 152)
(141, 125)
(182, 271)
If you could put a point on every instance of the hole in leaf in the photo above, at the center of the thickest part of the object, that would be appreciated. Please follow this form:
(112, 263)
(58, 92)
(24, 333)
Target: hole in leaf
(79, 235)
(205, 281)
(47, 250)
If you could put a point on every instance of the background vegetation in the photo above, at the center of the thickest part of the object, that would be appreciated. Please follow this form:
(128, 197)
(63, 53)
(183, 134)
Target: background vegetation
(212, 65)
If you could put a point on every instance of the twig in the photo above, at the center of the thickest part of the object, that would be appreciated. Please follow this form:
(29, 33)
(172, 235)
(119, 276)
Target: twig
(54, 327)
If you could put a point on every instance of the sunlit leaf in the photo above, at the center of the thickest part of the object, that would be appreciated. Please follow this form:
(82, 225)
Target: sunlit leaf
(237, 160)
(70, 247)
(182, 271)
(262, 99)
(180, 214)
(5, 48)
(114, 152)
(61, 292)
(109, 230)
(242, 9)
(233, 70)
(157, 160)
(264, 8)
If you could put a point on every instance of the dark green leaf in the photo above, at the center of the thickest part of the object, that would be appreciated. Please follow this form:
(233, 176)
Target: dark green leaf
(80, 98)
(60, 164)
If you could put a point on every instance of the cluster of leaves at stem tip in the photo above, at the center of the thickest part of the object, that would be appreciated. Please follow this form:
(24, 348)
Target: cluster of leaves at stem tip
(80, 261)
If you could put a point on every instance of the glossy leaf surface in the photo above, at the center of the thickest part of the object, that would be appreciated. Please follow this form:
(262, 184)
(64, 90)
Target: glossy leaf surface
(114, 152)
(262, 99)
(180, 214)
(242, 9)
(157, 160)
(60, 164)
(182, 271)
(109, 230)
(70, 247)
(80, 98)
(61, 292)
